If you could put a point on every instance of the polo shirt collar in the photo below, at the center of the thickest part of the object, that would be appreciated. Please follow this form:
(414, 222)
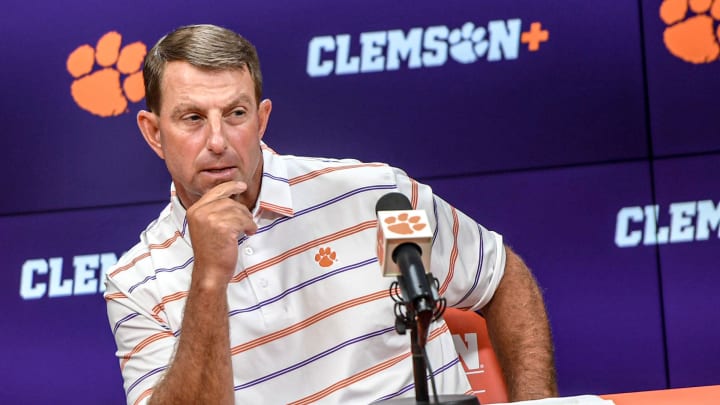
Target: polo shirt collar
(275, 196)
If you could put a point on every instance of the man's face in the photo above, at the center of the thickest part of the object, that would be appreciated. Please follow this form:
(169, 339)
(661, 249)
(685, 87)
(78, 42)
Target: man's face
(208, 130)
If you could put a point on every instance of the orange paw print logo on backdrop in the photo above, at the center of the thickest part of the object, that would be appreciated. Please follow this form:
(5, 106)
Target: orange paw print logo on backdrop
(325, 257)
(692, 33)
(404, 224)
(101, 91)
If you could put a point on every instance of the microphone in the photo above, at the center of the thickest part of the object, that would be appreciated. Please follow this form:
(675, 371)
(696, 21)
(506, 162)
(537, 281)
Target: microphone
(404, 241)
(404, 245)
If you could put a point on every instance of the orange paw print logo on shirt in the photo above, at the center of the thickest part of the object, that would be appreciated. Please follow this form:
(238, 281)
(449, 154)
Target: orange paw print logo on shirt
(692, 33)
(105, 91)
(404, 224)
(326, 257)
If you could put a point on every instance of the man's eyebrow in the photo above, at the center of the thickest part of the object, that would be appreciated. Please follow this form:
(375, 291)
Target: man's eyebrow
(242, 98)
(183, 107)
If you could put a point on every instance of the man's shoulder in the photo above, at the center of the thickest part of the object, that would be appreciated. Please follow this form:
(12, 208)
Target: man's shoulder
(307, 168)
(158, 241)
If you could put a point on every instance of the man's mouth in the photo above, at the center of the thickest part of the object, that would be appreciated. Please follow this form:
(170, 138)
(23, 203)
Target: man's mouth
(220, 171)
(218, 168)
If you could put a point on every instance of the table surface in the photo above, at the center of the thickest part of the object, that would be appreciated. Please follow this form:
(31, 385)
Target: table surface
(706, 395)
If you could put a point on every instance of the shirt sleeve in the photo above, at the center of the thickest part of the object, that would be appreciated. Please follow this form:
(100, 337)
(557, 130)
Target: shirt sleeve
(145, 344)
(467, 259)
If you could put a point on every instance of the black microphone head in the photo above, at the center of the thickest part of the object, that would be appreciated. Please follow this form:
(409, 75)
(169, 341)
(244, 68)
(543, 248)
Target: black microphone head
(393, 202)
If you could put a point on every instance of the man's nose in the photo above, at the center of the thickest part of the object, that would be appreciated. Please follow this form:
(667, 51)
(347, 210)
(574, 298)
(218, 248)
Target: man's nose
(216, 142)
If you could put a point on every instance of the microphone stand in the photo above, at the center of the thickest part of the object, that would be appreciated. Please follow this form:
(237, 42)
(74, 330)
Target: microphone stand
(419, 362)
(409, 319)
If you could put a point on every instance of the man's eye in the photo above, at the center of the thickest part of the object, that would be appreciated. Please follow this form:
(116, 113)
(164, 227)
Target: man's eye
(238, 113)
(193, 117)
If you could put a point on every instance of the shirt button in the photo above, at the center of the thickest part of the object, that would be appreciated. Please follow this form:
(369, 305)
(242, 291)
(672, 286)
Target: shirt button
(263, 282)
(249, 250)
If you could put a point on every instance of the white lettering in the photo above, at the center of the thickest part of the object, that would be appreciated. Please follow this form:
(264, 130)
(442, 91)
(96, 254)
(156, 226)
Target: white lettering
(419, 47)
(468, 350)
(689, 221)
(85, 267)
(708, 219)
(344, 64)
(506, 37)
(681, 226)
(401, 47)
(435, 45)
(371, 52)
(58, 286)
(88, 275)
(623, 236)
(29, 289)
(653, 235)
(315, 65)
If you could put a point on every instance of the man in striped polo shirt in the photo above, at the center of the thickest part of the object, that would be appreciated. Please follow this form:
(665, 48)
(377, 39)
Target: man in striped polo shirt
(259, 282)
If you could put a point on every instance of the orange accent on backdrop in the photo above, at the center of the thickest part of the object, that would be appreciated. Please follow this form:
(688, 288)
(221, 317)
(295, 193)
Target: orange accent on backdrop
(107, 76)
(694, 37)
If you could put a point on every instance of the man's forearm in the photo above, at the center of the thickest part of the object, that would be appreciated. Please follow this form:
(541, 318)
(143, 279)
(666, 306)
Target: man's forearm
(201, 370)
(520, 333)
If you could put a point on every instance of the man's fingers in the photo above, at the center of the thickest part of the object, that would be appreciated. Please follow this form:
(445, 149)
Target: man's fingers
(224, 190)
(220, 211)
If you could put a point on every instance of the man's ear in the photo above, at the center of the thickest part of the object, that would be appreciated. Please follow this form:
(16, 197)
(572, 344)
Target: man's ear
(148, 123)
(264, 110)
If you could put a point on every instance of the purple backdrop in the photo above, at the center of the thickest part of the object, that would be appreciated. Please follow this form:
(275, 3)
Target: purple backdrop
(57, 344)
(689, 266)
